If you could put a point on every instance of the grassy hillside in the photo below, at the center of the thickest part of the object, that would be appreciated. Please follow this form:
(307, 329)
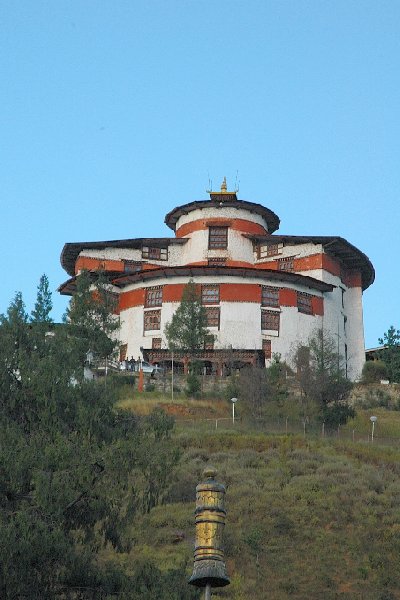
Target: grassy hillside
(307, 517)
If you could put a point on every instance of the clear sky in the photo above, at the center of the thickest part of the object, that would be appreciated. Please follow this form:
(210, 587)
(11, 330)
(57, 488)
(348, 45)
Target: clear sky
(113, 112)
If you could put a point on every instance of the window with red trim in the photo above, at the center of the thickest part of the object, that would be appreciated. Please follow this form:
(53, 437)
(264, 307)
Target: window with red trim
(210, 294)
(154, 296)
(217, 262)
(286, 264)
(304, 303)
(269, 296)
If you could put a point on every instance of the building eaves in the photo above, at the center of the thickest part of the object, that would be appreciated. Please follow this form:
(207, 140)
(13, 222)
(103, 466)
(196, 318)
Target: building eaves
(71, 250)
(245, 272)
(349, 255)
(268, 215)
(122, 280)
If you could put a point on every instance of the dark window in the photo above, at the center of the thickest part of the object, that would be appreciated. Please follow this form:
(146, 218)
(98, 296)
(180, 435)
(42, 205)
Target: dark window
(304, 304)
(156, 343)
(218, 237)
(132, 266)
(152, 253)
(270, 320)
(154, 296)
(269, 296)
(286, 264)
(266, 346)
(210, 294)
(212, 316)
(217, 262)
(272, 249)
(152, 320)
(209, 343)
(123, 349)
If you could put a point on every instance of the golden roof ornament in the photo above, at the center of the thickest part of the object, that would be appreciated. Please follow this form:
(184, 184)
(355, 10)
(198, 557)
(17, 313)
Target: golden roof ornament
(223, 195)
(209, 568)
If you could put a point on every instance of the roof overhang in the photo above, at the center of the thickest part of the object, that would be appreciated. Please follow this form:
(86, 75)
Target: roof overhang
(121, 281)
(71, 251)
(351, 257)
(268, 215)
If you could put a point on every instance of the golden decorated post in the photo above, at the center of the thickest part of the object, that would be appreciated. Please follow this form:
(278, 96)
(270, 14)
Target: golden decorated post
(209, 563)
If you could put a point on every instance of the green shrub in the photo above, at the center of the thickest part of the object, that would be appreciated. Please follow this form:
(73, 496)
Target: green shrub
(193, 385)
(373, 371)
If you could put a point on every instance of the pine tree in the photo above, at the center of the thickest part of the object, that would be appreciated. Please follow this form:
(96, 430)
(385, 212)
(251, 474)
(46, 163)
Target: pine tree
(44, 303)
(188, 328)
(390, 354)
(92, 316)
(74, 470)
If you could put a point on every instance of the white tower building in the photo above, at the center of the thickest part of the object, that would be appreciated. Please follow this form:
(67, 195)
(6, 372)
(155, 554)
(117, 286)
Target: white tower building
(264, 293)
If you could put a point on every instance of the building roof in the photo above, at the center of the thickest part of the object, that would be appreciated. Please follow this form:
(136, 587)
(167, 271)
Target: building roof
(229, 200)
(349, 255)
(71, 250)
(122, 280)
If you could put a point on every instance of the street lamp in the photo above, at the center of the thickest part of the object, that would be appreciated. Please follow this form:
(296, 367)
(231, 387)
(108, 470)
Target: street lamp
(373, 421)
(233, 400)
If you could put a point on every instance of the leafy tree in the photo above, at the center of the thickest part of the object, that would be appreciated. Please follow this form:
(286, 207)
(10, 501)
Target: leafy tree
(43, 304)
(91, 316)
(259, 389)
(373, 371)
(188, 328)
(322, 378)
(73, 469)
(390, 355)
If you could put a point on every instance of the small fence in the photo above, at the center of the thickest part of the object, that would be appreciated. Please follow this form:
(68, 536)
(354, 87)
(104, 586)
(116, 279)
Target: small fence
(285, 426)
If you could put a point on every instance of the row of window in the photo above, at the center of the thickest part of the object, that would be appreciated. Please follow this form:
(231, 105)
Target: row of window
(152, 318)
(270, 297)
(217, 239)
(210, 295)
(270, 319)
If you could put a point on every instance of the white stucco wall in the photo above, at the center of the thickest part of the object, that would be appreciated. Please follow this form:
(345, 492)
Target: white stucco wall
(223, 212)
(196, 250)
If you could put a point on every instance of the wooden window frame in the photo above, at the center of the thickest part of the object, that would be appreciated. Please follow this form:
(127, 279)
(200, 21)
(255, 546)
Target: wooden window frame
(286, 264)
(154, 253)
(153, 296)
(272, 249)
(210, 294)
(267, 348)
(156, 343)
(213, 316)
(217, 237)
(270, 296)
(272, 316)
(304, 303)
(152, 317)
(218, 261)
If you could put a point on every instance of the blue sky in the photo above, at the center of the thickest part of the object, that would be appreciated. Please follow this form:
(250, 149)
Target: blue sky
(114, 112)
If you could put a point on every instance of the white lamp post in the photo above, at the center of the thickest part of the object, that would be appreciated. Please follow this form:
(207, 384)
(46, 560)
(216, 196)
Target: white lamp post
(233, 400)
(373, 421)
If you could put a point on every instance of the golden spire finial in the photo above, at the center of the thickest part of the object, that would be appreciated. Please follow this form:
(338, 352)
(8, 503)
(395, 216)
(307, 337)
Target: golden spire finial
(223, 185)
